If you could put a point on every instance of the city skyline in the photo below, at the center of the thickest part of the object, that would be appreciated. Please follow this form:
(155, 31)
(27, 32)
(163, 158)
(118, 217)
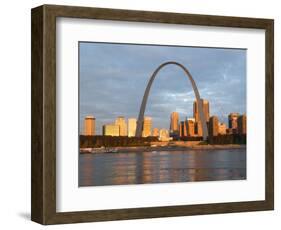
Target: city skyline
(130, 69)
(187, 127)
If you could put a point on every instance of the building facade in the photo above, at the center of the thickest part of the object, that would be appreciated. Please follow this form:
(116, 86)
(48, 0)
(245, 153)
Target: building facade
(132, 125)
(232, 121)
(190, 125)
(242, 124)
(206, 110)
(213, 126)
(198, 129)
(122, 125)
(164, 135)
(222, 128)
(183, 129)
(174, 122)
(147, 125)
(111, 130)
(89, 126)
(155, 132)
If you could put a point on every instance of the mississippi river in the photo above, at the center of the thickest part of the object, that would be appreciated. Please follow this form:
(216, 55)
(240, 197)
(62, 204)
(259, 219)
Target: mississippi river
(161, 167)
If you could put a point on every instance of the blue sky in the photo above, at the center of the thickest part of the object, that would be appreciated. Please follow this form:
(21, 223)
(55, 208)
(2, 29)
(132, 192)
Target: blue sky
(113, 78)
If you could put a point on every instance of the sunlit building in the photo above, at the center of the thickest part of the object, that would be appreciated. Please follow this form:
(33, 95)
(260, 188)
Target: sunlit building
(164, 135)
(122, 125)
(174, 122)
(132, 125)
(190, 125)
(242, 124)
(147, 125)
(89, 126)
(111, 130)
(198, 129)
(213, 126)
(222, 128)
(155, 132)
(183, 129)
(206, 110)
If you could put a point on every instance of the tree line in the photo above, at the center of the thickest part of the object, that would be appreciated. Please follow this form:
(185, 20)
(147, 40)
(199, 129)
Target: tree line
(110, 141)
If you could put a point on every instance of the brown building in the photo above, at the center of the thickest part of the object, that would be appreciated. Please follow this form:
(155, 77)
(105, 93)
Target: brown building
(190, 127)
(198, 129)
(187, 128)
(222, 128)
(174, 122)
(147, 125)
(242, 124)
(213, 126)
(232, 120)
(89, 126)
(206, 110)
(155, 132)
(183, 129)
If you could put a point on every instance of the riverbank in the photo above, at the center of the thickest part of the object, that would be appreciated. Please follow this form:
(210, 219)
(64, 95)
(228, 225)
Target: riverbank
(164, 148)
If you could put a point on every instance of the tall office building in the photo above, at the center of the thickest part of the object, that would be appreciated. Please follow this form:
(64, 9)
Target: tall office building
(122, 125)
(147, 125)
(183, 129)
(242, 124)
(110, 130)
(222, 128)
(213, 126)
(155, 132)
(190, 125)
(198, 129)
(89, 126)
(132, 125)
(174, 122)
(232, 121)
(206, 110)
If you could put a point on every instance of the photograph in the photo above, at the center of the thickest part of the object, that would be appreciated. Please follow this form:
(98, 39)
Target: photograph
(140, 114)
(153, 113)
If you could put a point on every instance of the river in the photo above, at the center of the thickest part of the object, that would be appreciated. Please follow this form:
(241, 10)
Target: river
(161, 167)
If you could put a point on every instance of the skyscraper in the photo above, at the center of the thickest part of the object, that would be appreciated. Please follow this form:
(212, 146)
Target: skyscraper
(206, 110)
(213, 126)
(190, 125)
(89, 126)
(174, 122)
(110, 130)
(183, 129)
(206, 113)
(242, 124)
(132, 125)
(122, 126)
(198, 129)
(232, 121)
(147, 125)
(155, 132)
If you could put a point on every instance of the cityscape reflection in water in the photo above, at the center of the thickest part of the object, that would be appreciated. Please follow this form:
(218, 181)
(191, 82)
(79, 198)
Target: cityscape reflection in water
(161, 167)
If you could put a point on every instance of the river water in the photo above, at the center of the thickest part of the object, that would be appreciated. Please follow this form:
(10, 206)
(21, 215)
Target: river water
(161, 167)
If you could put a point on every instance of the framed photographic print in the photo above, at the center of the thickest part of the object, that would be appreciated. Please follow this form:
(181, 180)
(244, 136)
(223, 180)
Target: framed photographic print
(140, 114)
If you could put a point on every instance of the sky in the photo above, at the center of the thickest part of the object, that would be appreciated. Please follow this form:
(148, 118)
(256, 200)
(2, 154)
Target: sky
(113, 78)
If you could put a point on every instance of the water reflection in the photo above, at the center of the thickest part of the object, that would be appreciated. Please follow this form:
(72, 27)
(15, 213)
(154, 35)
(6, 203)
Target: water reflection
(161, 167)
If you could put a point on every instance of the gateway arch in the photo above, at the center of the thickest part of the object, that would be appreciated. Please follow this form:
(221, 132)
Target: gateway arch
(146, 94)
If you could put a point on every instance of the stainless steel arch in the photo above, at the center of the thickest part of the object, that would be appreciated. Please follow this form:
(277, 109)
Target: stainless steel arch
(147, 90)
